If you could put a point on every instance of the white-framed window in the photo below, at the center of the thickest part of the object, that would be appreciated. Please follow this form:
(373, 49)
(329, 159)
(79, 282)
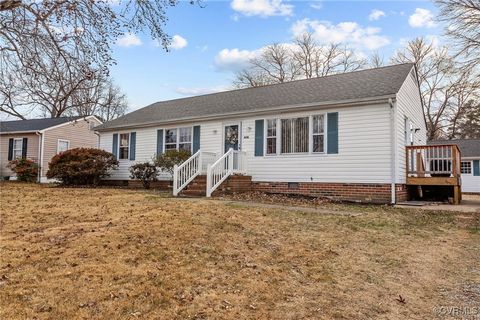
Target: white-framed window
(62, 145)
(124, 146)
(318, 134)
(294, 135)
(178, 139)
(271, 136)
(466, 167)
(17, 148)
(185, 139)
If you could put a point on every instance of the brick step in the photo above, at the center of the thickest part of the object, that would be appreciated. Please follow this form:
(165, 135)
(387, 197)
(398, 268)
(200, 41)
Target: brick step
(193, 193)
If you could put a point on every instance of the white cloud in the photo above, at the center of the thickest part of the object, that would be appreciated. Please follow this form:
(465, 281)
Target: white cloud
(234, 59)
(349, 33)
(376, 14)
(263, 8)
(422, 18)
(129, 40)
(178, 42)
(198, 91)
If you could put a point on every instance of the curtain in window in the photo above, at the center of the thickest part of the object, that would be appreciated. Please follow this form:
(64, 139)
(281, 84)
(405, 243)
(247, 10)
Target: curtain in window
(294, 135)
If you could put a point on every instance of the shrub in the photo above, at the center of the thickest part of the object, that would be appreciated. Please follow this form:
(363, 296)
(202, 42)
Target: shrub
(25, 169)
(170, 158)
(81, 166)
(146, 172)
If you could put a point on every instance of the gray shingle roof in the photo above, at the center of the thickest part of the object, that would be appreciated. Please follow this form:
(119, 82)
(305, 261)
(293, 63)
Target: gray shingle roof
(33, 124)
(356, 85)
(468, 147)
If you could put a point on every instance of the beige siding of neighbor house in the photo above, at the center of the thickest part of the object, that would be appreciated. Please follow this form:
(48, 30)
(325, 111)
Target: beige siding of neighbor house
(32, 150)
(78, 134)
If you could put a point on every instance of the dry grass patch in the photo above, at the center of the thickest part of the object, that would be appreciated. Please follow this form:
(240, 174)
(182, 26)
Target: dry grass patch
(107, 253)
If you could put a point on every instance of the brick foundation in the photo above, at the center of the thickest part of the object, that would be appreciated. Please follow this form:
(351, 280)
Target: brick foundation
(358, 192)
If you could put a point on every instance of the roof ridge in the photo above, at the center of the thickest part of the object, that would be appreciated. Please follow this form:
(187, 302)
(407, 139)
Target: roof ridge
(280, 84)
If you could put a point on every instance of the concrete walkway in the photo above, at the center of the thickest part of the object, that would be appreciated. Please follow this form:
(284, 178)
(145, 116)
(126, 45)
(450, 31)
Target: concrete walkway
(470, 203)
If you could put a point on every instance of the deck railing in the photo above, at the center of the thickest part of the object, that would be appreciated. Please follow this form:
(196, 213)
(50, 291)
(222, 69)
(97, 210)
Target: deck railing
(192, 167)
(231, 162)
(433, 161)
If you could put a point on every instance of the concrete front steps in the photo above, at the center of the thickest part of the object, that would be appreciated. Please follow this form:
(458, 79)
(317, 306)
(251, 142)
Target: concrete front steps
(233, 184)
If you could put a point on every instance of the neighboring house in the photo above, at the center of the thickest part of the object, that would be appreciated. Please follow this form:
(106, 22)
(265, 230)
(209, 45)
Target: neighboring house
(41, 139)
(341, 136)
(470, 162)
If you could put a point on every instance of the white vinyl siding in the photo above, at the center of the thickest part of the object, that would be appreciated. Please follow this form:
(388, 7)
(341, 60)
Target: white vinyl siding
(410, 124)
(364, 148)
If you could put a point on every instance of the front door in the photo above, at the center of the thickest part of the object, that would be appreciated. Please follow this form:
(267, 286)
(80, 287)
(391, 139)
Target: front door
(231, 137)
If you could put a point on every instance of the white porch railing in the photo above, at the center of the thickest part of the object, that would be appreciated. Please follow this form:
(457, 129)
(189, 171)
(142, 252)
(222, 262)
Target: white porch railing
(231, 162)
(192, 167)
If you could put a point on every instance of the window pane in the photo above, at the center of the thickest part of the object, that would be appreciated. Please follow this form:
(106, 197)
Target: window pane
(171, 136)
(318, 124)
(271, 145)
(62, 146)
(271, 128)
(170, 146)
(185, 146)
(295, 135)
(466, 167)
(185, 134)
(123, 153)
(318, 143)
(124, 140)
(17, 148)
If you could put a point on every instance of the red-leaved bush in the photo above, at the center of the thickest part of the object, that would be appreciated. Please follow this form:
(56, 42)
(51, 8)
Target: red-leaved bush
(81, 166)
(25, 169)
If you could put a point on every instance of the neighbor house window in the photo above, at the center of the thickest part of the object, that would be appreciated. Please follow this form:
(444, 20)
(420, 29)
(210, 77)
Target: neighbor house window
(272, 136)
(294, 135)
(178, 139)
(17, 148)
(318, 133)
(466, 167)
(62, 145)
(124, 145)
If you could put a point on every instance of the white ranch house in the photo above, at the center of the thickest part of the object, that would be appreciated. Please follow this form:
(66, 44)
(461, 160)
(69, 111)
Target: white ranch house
(342, 136)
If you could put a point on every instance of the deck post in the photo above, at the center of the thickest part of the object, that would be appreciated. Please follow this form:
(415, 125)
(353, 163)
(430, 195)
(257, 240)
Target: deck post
(175, 180)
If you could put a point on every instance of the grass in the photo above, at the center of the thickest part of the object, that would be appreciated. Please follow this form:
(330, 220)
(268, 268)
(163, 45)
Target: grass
(123, 254)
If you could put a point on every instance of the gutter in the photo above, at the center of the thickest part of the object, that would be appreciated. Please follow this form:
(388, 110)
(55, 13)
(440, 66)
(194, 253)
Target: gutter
(393, 145)
(287, 108)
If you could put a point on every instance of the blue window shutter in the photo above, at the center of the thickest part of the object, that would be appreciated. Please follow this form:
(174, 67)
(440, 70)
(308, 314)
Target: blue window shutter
(10, 149)
(24, 148)
(259, 138)
(115, 145)
(133, 145)
(332, 132)
(476, 167)
(196, 138)
(159, 142)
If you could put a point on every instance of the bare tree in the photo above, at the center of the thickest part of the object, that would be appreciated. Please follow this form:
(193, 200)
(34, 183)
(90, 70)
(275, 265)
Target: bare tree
(55, 47)
(376, 60)
(101, 98)
(303, 59)
(445, 84)
(463, 26)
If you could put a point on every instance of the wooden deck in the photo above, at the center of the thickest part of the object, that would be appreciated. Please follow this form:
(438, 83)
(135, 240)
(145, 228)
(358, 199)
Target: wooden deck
(435, 165)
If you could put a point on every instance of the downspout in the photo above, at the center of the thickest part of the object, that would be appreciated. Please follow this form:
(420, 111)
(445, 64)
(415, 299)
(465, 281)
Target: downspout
(39, 155)
(393, 144)
(42, 140)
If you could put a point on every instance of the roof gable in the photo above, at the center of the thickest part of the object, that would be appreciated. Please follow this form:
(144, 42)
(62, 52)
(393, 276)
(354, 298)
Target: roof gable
(352, 86)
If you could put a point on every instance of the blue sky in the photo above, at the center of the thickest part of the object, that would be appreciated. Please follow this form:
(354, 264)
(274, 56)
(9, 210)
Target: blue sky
(213, 41)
